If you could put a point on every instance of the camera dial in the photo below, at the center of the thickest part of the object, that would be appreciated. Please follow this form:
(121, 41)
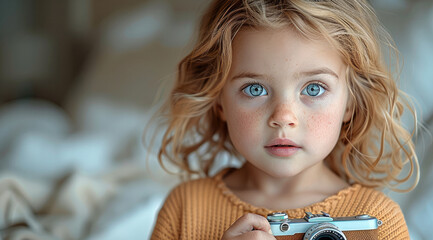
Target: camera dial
(282, 218)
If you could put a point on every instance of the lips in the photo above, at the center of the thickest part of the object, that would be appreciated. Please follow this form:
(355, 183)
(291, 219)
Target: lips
(281, 142)
(282, 147)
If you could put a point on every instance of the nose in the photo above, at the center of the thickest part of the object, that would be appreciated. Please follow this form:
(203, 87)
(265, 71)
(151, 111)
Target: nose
(283, 116)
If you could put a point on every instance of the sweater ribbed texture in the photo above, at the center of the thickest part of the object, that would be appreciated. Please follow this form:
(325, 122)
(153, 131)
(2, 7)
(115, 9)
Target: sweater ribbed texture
(205, 208)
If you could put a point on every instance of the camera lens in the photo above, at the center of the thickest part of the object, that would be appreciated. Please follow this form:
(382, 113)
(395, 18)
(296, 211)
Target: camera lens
(326, 237)
(324, 231)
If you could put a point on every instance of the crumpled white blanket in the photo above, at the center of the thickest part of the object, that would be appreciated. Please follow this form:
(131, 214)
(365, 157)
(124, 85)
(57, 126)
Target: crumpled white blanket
(80, 206)
(88, 184)
(36, 209)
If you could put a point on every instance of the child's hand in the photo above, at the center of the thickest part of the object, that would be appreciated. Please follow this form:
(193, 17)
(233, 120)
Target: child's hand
(249, 226)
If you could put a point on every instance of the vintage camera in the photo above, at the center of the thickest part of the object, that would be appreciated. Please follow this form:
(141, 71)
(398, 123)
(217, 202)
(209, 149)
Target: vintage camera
(323, 227)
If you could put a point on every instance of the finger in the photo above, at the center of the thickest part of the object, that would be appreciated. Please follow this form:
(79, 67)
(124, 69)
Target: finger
(248, 223)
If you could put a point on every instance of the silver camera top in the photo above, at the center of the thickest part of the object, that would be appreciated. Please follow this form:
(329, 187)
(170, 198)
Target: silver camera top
(314, 224)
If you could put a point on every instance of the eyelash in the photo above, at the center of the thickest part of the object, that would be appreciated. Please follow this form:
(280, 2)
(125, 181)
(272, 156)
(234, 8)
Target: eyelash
(318, 83)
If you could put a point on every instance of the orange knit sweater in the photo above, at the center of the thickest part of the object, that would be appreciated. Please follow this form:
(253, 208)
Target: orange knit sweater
(205, 208)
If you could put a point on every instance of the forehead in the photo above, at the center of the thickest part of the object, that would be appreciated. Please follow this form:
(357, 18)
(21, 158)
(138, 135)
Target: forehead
(267, 49)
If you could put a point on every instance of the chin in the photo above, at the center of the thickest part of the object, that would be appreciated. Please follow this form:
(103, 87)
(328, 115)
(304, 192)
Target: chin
(283, 172)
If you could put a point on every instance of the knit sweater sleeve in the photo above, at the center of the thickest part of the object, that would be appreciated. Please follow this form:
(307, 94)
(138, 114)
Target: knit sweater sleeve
(169, 217)
(393, 223)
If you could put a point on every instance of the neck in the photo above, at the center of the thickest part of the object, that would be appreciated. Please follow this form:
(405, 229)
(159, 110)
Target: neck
(316, 179)
(269, 185)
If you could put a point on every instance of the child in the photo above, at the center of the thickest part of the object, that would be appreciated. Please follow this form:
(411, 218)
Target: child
(299, 91)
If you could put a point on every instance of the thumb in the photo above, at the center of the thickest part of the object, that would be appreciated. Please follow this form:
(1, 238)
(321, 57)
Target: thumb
(248, 223)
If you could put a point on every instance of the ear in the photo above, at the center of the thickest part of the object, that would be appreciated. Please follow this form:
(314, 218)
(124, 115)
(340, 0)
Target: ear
(219, 109)
(349, 111)
(347, 115)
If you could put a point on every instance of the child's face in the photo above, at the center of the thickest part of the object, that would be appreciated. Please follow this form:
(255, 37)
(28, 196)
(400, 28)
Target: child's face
(285, 100)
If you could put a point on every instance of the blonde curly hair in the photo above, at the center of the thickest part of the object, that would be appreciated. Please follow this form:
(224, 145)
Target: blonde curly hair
(373, 148)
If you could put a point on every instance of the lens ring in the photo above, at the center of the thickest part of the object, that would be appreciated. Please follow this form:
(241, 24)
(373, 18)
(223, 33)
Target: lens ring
(324, 229)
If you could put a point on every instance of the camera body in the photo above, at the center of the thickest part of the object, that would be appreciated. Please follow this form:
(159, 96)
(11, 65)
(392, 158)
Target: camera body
(323, 226)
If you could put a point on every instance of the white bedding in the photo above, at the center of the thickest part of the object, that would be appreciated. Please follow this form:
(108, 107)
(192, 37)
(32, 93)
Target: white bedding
(59, 184)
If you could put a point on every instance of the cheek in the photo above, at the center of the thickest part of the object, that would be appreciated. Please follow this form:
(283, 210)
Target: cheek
(244, 119)
(244, 127)
(325, 123)
(325, 126)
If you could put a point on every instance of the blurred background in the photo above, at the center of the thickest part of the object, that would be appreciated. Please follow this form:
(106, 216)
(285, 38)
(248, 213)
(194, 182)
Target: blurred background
(78, 82)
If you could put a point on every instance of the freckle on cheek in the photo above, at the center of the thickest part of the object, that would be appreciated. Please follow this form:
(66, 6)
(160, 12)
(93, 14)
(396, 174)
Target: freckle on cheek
(247, 124)
(246, 120)
(321, 125)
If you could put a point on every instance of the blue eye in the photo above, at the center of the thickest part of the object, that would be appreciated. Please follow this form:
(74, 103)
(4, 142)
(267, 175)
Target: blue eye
(313, 90)
(255, 90)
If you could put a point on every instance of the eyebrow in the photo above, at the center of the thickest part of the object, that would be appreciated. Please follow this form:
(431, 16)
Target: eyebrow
(319, 71)
(313, 72)
(249, 75)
